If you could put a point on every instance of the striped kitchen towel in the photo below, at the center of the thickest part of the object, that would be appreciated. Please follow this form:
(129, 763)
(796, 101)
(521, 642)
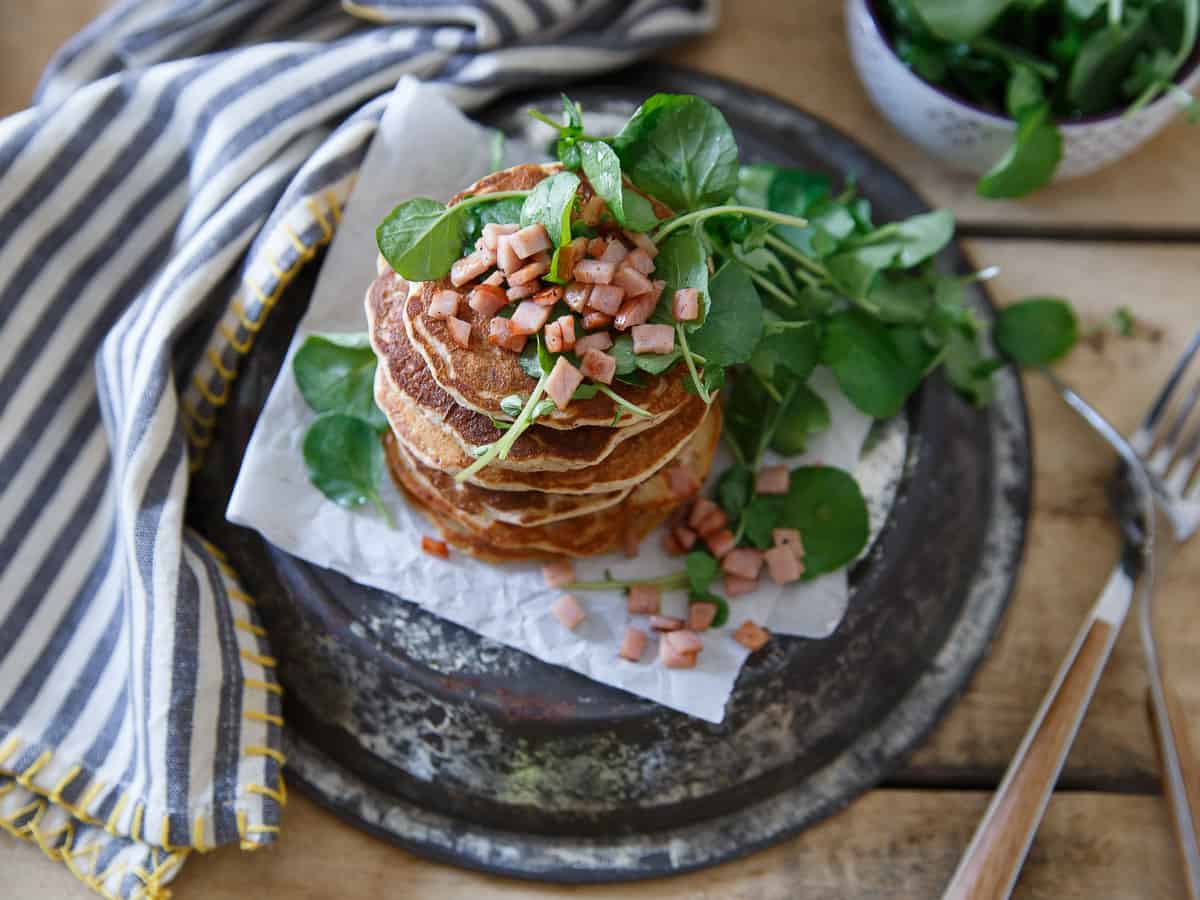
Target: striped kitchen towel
(177, 147)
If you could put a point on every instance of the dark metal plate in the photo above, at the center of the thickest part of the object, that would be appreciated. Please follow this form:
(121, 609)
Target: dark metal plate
(463, 749)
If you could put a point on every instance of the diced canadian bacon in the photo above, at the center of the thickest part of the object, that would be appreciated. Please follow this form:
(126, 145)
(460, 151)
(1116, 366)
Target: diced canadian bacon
(633, 281)
(641, 260)
(506, 257)
(790, 538)
(552, 337)
(538, 267)
(487, 300)
(576, 295)
(701, 510)
(471, 267)
(783, 565)
(701, 615)
(684, 537)
(744, 562)
(665, 623)
(566, 326)
(606, 298)
(435, 547)
(736, 587)
(596, 247)
(720, 542)
(642, 241)
(593, 211)
(569, 255)
(501, 334)
(559, 573)
(568, 611)
(683, 483)
(600, 340)
(460, 331)
(614, 252)
(598, 366)
(653, 338)
(635, 311)
(443, 305)
(594, 271)
(529, 317)
(643, 600)
(633, 644)
(564, 378)
(530, 240)
(686, 305)
(772, 480)
(520, 292)
(479, 244)
(672, 658)
(495, 279)
(684, 641)
(671, 546)
(548, 296)
(493, 230)
(751, 635)
(516, 342)
(593, 319)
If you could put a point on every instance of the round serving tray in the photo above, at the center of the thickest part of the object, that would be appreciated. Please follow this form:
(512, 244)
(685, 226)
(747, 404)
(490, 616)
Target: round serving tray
(460, 748)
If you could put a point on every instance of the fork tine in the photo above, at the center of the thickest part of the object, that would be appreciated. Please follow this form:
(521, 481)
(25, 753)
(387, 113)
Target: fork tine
(1143, 438)
(1163, 457)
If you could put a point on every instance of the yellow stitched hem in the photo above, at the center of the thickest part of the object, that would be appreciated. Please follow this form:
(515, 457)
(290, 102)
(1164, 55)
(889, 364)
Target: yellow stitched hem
(111, 825)
(242, 347)
(8, 748)
(250, 628)
(266, 751)
(263, 686)
(267, 662)
(241, 596)
(255, 716)
(189, 410)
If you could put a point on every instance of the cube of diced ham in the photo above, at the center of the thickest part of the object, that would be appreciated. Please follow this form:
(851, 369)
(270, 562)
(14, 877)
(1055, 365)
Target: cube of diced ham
(783, 565)
(744, 562)
(496, 279)
(682, 481)
(671, 546)
(653, 338)
(593, 210)
(568, 255)
(535, 269)
(633, 281)
(471, 267)
(596, 247)
(665, 623)
(701, 615)
(720, 542)
(530, 240)
(501, 334)
(443, 305)
(487, 300)
(673, 659)
(641, 260)
(790, 538)
(460, 331)
(559, 573)
(568, 611)
(772, 480)
(493, 230)
(548, 296)
(552, 337)
(593, 319)
(643, 600)
(564, 378)
(684, 641)
(435, 547)
(706, 516)
(606, 298)
(633, 644)
(751, 636)
(614, 252)
(577, 294)
(635, 311)
(686, 305)
(566, 327)
(506, 257)
(598, 366)
(684, 537)
(600, 340)
(529, 318)
(521, 291)
(595, 271)
(643, 242)
(736, 587)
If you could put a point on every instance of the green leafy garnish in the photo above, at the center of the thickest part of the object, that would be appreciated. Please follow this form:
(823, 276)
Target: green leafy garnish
(336, 373)
(827, 507)
(345, 461)
(603, 171)
(682, 262)
(1037, 331)
(550, 203)
(867, 364)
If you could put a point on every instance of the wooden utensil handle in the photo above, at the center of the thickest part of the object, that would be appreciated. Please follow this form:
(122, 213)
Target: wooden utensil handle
(990, 866)
(1188, 791)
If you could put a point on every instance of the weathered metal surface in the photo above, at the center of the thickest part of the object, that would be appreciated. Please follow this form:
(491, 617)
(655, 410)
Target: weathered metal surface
(459, 747)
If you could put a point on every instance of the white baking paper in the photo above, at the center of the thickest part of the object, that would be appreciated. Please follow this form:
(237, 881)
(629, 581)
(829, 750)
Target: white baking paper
(426, 147)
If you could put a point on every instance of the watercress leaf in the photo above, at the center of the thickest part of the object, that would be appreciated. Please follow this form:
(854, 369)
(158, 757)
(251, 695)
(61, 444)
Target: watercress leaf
(760, 518)
(585, 391)
(567, 151)
(544, 357)
(735, 487)
(336, 373)
(1024, 91)
(572, 116)
(906, 243)
(959, 21)
(1105, 59)
(657, 363)
(735, 320)
(550, 204)
(603, 171)
(529, 362)
(901, 299)
(1084, 9)
(497, 212)
(512, 405)
(827, 507)
(722, 606)
(622, 352)
(1036, 331)
(790, 349)
(860, 352)
(682, 262)
(854, 273)
(345, 459)
(680, 149)
(746, 413)
(702, 570)
(806, 414)
(421, 238)
(639, 214)
(753, 183)
(1031, 160)
(966, 367)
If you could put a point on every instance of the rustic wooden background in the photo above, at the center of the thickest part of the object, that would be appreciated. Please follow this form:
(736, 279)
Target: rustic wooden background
(1127, 236)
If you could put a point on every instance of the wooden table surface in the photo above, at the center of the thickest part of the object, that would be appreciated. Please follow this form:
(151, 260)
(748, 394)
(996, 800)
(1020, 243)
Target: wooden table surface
(1127, 236)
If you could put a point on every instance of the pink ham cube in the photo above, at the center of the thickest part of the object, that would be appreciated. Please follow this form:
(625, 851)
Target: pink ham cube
(772, 480)
(736, 587)
(568, 611)
(635, 311)
(684, 640)
(559, 573)
(751, 636)
(521, 291)
(529, 318)
(487, 300)
(552, 337)
(443, 305)
(471, 267)
(686, 305)
(568, 255)
(460, 331)
(706, 517)
(665, 623)
(598, 366)
(577, 295)
(501, 334)
(643, 242)
(563, 380)
(593, 319)
(536, 268)
(606, 298)
(492, 232)
(744, 562)
(495, 279)
(593, 211)
(653, 338)
(548, 296)
(566, 327)
(685, 538)
(790, 538)
(683, 483)
(601, 340)
(641, 260)
(720, 543)
(596, 247)
(506, 256)
(643, 600)
(633, 645)
(530, 240)
(701, 615)
(633, 281)
(783, 565)
(595, 271)
(614, 252)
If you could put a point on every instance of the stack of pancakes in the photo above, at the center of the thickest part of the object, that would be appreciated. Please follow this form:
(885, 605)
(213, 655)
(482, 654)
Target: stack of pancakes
(574, 484)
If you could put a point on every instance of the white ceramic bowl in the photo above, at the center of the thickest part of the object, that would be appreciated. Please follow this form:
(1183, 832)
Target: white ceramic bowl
(970, 138)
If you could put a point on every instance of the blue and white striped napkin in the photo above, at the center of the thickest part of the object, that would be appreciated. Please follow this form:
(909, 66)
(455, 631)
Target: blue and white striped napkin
(177, 147)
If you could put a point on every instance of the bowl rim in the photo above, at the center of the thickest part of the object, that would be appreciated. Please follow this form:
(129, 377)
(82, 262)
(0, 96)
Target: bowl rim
(1189, 68)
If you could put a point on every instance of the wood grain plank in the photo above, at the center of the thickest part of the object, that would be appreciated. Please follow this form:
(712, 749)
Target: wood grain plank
(30, 31)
